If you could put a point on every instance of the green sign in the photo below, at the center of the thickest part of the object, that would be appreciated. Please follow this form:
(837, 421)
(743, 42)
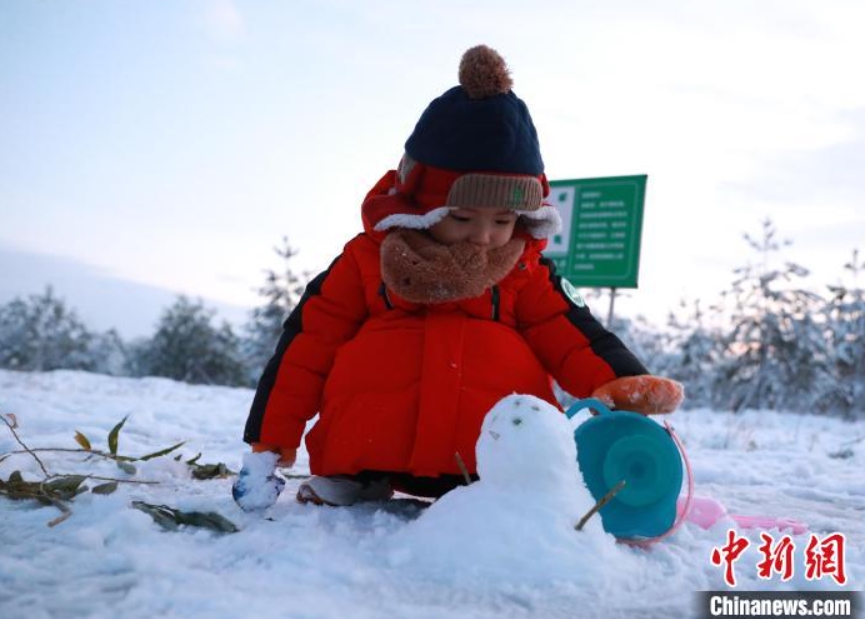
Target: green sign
(602, 219)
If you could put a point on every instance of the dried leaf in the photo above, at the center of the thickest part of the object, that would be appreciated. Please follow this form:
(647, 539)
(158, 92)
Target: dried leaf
(162, 452)
(59, 489)
(18, 489)
(64, 488)
(208, 520)
(13, 420)
(170, 518)
(126, 467)
(83, 441)
(114, 435)
(211, 471)
(106, 488)
(162, 515)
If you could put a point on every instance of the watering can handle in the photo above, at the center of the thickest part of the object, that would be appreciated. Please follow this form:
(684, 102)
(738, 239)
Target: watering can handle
(592, 403)
(682, 516)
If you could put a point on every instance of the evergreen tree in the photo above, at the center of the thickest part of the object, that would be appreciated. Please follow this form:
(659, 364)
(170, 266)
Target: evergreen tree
(281, 291)
(41, 333)
(189, 348)
(694, 354)
(775, 354)
(846, 316)
(644, 340)
(109, 353)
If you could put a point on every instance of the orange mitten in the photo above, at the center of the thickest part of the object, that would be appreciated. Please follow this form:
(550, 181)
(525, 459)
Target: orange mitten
(286, 456)
(649, 395)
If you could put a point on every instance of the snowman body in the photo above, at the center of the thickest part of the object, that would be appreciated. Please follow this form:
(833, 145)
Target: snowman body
(520, 515)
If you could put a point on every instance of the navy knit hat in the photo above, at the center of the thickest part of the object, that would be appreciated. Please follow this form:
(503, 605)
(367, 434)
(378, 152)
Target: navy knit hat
(474, 146)
(480, 125)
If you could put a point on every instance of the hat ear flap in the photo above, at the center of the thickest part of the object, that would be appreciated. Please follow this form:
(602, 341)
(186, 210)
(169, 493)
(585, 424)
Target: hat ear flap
(545, 184)
(409, 175)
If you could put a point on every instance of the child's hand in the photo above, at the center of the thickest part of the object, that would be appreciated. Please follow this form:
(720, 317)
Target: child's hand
(257, 487)
(649, 395)
(287, 456)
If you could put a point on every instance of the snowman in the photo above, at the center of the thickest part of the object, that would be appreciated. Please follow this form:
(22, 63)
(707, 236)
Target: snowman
(520, 516)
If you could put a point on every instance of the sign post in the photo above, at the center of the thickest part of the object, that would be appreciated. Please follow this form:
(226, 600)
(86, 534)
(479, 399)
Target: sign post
(602, 221)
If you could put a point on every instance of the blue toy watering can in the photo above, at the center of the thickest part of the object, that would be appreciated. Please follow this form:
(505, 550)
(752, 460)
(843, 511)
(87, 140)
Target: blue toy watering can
(621, 445)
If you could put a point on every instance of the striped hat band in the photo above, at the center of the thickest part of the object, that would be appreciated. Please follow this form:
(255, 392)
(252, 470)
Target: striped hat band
(519, 193)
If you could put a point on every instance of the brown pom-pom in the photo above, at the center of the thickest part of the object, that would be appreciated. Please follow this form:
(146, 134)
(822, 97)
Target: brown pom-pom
(483, 73)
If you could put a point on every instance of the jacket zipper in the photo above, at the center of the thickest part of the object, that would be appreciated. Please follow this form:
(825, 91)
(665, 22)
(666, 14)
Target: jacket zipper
(382, 290)
(494, 293)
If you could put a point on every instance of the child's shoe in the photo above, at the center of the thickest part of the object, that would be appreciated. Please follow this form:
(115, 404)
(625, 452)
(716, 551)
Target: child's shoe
(343, 490)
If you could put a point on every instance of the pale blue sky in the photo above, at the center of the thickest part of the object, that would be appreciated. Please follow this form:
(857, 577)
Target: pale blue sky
(174, 143)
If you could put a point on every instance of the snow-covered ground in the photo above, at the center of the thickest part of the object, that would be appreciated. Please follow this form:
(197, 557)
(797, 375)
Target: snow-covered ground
(377, 560)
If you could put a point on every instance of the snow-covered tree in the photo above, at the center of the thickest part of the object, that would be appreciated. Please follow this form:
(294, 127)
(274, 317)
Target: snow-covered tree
(846, 318)
(775, 354)
(40, 333)
(188, 347)
(644, 340)
(693, 352)
(109, 353)
(281, 291)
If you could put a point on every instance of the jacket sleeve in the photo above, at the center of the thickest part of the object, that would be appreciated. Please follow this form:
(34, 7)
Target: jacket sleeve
(573, 347)
(289, 392)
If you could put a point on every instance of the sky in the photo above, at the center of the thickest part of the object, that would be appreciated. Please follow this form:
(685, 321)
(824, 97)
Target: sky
(174, 144)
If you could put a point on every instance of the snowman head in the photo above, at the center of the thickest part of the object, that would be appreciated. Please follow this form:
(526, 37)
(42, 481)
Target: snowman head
(527, 443)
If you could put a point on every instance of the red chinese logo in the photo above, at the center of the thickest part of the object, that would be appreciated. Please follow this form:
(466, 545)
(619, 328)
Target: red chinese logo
(825, 558)
(776, 559)
(729, 554)
(822, 557)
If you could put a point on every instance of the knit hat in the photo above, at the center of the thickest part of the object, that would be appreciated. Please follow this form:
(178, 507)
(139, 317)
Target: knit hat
(474, 146)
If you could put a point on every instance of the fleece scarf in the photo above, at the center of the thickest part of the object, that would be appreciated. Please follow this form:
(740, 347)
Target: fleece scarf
(422, 270)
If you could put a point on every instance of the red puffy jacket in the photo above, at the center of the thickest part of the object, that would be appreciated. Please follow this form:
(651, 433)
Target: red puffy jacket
(403, 387)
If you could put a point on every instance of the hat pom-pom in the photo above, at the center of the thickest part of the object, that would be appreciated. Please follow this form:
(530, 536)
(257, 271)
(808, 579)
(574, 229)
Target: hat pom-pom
(483, 73)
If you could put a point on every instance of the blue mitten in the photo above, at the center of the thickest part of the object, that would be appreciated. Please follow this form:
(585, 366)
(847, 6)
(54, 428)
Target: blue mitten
(257, 487)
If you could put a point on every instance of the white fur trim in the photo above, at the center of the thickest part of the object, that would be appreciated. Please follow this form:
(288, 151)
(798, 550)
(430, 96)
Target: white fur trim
(414, 222)
(542, 223)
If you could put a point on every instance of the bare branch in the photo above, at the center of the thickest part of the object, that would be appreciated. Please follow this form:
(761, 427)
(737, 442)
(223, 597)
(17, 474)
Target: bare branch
(90, 452)
(604, 500)
(44, 495)
(26, 448)
(114, 479)
(62, 517)
(463, 468)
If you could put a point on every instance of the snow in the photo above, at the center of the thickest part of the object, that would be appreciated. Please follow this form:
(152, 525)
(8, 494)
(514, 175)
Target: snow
(496, 548)
(516, 523)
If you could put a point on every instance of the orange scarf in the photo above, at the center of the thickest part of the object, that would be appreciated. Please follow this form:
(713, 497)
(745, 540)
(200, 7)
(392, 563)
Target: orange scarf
(422, 270)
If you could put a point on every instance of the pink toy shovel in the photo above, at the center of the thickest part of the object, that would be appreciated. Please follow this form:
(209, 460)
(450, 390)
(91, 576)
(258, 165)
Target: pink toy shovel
(705, 512)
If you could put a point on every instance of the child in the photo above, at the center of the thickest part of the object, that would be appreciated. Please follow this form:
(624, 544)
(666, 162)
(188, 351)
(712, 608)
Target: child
(441, 307)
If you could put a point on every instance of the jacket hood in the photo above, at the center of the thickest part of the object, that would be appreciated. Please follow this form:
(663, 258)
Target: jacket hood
(385, 209)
